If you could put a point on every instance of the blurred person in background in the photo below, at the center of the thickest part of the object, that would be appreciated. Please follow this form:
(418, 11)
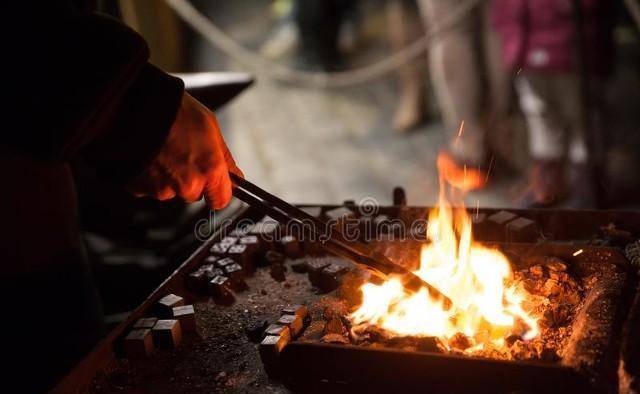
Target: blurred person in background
(468, 81)
(404, 28)
(320, 25)
(321, 30)
(540, 43)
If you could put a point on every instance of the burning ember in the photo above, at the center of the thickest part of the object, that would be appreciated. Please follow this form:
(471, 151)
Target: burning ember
(488, 303)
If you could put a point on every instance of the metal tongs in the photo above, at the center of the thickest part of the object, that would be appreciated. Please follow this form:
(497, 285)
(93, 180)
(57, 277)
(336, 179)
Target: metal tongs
(331, 238)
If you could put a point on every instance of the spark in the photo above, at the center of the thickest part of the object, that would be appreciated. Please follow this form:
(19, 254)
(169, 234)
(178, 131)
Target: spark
(519, 71)
(464, 179)
(578, 252)
(460, 131)
(477, 208)
(486, 177)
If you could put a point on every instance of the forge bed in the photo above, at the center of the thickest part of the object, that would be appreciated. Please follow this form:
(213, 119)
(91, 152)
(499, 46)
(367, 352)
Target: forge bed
(223, 359)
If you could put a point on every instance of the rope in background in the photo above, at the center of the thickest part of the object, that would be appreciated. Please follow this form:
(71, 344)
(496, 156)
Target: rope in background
(261, 66)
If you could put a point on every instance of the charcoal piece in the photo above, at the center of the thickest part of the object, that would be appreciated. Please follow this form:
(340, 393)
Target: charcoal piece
(339, 213)
(536, 271)
(256, 331)
(211, 271)
(330, 277)
(316, 212)
(236, 274)
(554, 264)
(253, 250)
(273, 257)
(551, 288)
(334, 326)
(290, 246)
(239, 254)
(211, 260)
(187, 317)
(167, 333)
(266, 231)
(294, 323)
(299, 267)
(166, 304)
(196, 281)
(496, 225)
(335, 339)
(278, 330)
(220, 289)
(277, 272)
(343, 219)
(314, 267)
(502, 217)
(224, 262)
(138, 343)
(239, 232)
(252, 241)
(460, 341)
(147, 322)
(297, 310)
(269, 350)
(219, 249)
(229, 240)
(522, 230)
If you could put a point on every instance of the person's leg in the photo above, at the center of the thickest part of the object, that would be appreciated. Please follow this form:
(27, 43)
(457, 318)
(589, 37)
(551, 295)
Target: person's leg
(405, 27)
(502, 138)
(318, 23)
(457, 76)
(581, 158)
(547, 139)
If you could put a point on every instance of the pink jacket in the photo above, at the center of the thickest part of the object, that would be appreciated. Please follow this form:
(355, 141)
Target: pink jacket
(540, 35)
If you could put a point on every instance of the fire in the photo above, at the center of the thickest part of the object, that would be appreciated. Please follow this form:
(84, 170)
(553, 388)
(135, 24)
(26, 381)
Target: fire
(486, 303)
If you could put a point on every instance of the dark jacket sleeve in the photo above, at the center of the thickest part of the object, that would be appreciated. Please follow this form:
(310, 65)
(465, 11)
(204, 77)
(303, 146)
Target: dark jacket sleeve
(82, 85)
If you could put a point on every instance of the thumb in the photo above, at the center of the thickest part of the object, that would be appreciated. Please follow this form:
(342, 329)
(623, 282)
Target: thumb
(217, 190)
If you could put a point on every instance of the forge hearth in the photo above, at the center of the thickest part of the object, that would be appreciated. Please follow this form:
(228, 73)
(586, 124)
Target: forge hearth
(317, 351)
(577, 354)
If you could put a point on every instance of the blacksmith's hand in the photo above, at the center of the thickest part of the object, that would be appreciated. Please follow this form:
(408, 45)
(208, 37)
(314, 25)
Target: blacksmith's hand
(194, 160)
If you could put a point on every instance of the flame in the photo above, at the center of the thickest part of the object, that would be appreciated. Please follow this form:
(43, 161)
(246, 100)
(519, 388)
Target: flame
(463, 178)
(486, 304)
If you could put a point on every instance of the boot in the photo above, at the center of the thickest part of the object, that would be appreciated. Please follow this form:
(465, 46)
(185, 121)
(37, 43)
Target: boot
(583, 192)
(547, 185)
(405, 27)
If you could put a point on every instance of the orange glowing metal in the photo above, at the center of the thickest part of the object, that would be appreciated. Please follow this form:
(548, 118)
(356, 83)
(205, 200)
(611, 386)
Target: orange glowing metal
(486, 304)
